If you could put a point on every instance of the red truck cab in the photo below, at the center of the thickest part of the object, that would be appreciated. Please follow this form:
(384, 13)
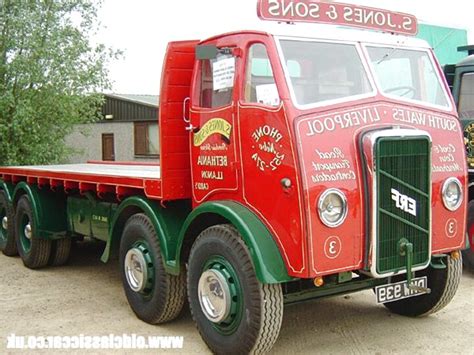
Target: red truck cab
(295, 125)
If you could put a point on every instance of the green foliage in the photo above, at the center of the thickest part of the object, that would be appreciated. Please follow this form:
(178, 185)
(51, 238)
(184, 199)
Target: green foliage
(50, 72)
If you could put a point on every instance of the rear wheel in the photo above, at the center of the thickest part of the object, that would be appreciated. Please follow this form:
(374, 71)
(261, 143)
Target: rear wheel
(468, 254)
(7, 229)
(233, 311)
(60, 252)
(443, 284)
(33, 251)
(154, 295)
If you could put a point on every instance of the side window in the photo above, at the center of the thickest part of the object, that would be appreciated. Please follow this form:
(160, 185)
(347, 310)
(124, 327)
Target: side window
(217, 81)
(260, 84)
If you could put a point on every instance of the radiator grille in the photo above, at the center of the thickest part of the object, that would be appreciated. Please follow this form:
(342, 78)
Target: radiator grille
(403, 173)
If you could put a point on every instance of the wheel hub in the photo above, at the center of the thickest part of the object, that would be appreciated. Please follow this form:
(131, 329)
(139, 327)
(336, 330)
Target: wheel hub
(28, 232)
(5, 222)
(136, 270)
(214, 295)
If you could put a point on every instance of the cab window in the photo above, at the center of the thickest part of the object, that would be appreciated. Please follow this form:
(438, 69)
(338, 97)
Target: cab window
(216, 84)
(407, 74)
(323, 71)
(260, 84)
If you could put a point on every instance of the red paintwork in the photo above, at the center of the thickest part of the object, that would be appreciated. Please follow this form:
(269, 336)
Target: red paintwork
(174, 150)
(317, 11)
(255, 180)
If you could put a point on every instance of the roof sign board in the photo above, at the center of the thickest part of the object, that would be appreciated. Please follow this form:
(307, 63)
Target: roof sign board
(337, 13)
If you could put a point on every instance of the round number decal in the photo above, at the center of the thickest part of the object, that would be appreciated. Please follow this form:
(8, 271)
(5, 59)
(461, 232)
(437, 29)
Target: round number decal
(332, 247)
(451, 228)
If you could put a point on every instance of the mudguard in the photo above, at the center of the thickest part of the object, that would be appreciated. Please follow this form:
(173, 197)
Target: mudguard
(49, 210)
(266, 257)
(167, 222)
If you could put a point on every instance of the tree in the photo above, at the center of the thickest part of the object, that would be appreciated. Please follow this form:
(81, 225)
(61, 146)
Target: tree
(50, 73)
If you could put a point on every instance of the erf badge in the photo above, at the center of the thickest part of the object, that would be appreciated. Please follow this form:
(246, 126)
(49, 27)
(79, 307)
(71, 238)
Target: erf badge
(469, 142)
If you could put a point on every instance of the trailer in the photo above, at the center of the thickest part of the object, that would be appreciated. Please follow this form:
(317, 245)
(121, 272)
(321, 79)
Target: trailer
(295, 163)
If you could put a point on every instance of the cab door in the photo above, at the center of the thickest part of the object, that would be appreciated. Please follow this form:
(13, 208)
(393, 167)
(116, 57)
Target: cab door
(269, 175)
(212, 126)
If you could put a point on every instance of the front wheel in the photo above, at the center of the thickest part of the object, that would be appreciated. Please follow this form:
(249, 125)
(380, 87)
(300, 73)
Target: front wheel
(443, 284)
(154, 295)
(233, 311)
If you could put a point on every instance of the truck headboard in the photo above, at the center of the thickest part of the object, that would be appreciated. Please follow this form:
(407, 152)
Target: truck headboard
(174, 139)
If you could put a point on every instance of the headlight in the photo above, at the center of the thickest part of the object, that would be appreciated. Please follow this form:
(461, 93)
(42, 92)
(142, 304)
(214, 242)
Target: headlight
(452, 194)
(332, 207)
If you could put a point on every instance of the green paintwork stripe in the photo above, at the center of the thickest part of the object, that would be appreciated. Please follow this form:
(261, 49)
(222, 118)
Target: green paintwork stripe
(403, 221)
(408, 186)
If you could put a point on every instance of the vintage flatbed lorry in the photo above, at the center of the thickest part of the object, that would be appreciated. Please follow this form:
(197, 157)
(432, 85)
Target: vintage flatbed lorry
(460, 76)
(295, 163)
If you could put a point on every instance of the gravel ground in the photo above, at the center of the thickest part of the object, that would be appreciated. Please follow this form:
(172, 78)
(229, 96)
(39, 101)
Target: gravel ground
(86, 297)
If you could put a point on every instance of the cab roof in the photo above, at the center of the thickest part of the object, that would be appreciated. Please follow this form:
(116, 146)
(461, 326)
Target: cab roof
(326, 32)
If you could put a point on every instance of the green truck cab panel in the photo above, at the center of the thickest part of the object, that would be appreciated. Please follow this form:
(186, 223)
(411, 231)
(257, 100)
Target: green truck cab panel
(49, 210)
(266, 257)
(167, 221)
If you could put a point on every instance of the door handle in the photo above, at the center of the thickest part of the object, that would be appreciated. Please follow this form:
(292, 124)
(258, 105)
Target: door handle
(187, 120)
(185, 104)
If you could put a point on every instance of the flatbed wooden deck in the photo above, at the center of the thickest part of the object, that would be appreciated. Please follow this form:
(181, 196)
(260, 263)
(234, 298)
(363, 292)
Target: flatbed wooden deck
(121, 179)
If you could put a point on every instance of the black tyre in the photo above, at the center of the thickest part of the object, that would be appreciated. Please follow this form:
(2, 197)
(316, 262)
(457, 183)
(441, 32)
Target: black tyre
(61, 249)
(233, 311)
(154, 295)
(7, 228)
(33, 251)
(468, 254)
(443, 284)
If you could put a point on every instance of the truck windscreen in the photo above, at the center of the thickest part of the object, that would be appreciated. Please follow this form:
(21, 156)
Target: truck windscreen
(407, 74)
(321, 71)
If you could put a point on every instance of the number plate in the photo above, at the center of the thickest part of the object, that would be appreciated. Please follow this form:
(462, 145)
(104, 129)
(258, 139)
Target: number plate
(399, 290)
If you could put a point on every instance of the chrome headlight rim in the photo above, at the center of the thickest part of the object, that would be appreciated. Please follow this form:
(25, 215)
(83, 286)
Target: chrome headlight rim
(444, 189)
(345, 210)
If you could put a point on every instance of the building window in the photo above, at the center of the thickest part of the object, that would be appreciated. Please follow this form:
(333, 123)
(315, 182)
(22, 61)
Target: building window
(147, 139)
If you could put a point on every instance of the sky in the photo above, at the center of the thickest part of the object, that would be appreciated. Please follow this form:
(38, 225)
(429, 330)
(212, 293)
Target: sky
(142, 29)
